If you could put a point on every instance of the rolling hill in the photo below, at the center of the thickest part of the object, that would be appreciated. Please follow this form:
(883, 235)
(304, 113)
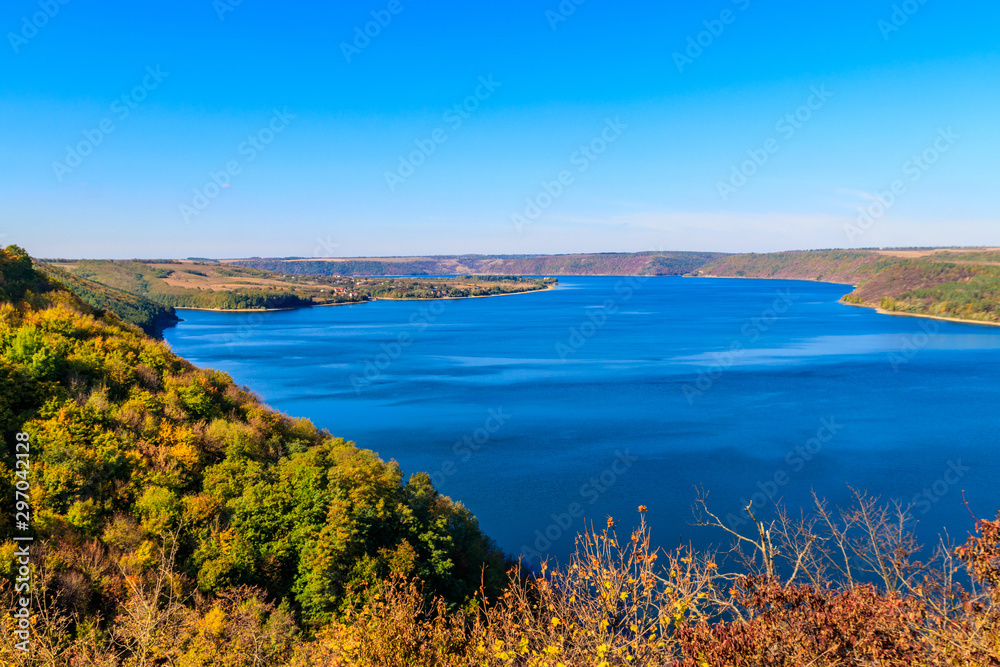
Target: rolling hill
(602, 264)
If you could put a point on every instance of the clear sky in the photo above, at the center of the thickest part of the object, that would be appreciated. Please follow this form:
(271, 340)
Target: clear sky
(599, 126)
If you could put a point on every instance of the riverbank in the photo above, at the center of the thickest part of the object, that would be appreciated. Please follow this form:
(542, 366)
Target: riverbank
(877, 309)
(269, 310)
(357, 303)
(935, 317)
(478, 296)
(956, 320)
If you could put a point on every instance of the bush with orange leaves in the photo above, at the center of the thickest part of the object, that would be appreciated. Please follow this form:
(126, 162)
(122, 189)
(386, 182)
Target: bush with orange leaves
(981, 554)
(619, 602)
(805, 625)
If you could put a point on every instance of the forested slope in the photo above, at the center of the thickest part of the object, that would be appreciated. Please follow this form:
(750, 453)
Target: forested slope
(149, 281)
(967, 291)
(945, 283)
(148, 473)
(145, 313)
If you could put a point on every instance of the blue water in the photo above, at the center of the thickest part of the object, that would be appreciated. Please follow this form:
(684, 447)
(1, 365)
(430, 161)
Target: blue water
(542, 411)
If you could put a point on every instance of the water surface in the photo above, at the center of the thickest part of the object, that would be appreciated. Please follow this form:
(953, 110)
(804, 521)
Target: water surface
(545, 410)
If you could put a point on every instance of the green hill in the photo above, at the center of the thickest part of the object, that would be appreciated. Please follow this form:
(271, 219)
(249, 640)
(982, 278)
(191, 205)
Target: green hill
(151, 281)
(961, 284)
(145, 313)
(151, 479)
(967, 291)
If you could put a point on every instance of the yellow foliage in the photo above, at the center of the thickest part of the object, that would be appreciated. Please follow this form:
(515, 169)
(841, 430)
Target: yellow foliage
(214, 621)
(186, 455)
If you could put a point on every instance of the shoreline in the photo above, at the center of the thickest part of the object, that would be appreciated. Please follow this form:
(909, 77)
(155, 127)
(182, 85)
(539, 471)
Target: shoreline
(877, 309)
(358, 303)
(936, 317)
(462, 298)
(882, 311)
(253, 310)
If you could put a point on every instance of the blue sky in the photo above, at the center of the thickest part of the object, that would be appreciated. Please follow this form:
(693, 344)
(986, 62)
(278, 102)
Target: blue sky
(668, 126)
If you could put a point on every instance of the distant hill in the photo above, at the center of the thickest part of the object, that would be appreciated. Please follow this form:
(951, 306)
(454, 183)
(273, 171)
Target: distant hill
(602, 264)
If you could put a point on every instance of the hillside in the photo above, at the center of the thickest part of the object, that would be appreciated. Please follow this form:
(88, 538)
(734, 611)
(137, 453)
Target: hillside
(836, 266)
(191, 284)
(960, 284)
(603, 264)
(146, 314)
(966, 291)
(146, 472)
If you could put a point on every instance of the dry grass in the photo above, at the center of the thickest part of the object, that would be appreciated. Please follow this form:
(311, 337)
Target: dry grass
(917, 254)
